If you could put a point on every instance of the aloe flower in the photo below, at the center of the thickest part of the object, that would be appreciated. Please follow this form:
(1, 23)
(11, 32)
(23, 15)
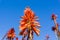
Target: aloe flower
(11, 34)
(29, 24)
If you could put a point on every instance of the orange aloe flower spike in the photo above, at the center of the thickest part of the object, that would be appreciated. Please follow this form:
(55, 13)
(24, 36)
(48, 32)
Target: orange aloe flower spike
(29, 21)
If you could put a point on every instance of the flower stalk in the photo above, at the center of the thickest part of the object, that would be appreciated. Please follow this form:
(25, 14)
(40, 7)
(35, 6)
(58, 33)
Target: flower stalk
(56, 28)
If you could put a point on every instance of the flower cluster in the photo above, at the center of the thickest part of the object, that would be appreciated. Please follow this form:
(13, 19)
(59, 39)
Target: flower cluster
(29, 22)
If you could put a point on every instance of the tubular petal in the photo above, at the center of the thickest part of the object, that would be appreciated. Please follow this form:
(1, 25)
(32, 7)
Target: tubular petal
(22, 32)
(23, 27)
(36, 30)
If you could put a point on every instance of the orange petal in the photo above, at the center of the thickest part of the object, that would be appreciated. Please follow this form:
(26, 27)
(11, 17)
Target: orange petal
(22, 27)
(36, 30)
(22, 23)
(21, 33)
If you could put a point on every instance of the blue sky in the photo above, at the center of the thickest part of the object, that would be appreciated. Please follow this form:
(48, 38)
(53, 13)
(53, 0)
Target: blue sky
(11, 10)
